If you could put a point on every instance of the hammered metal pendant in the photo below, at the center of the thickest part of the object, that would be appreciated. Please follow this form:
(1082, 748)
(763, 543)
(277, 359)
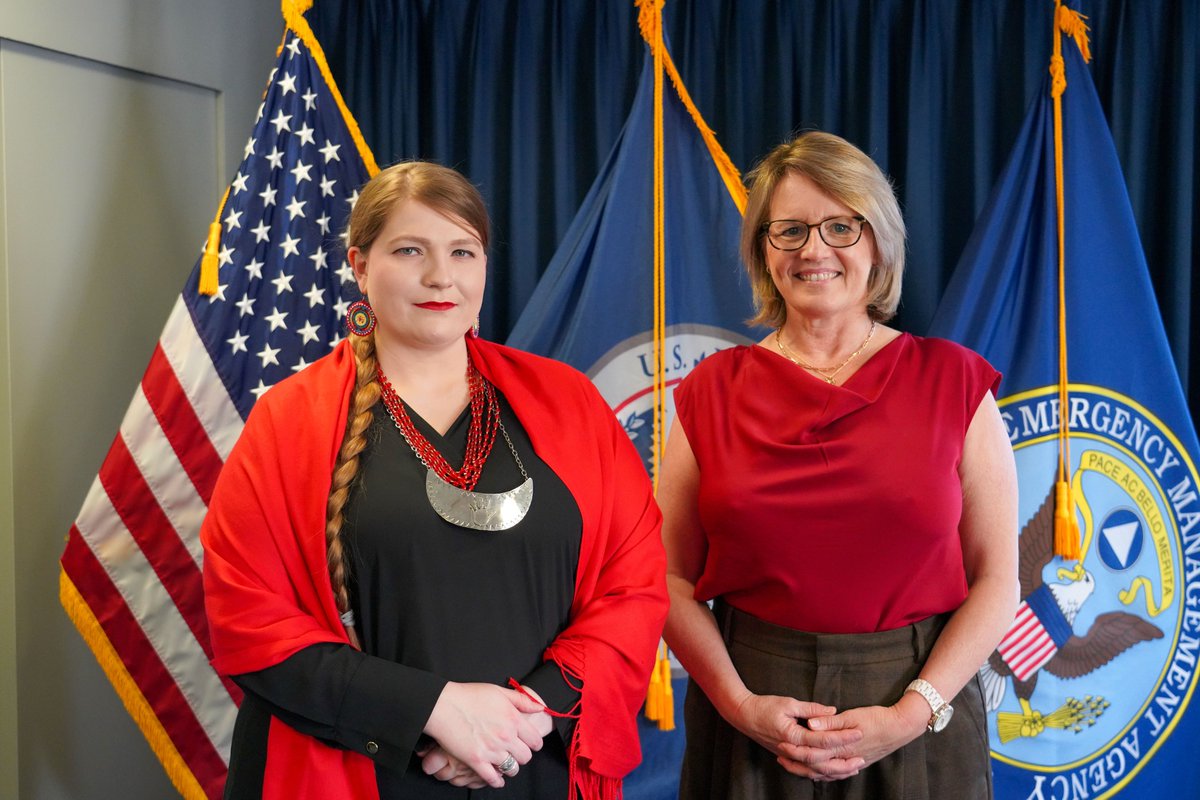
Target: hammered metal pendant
(479, 511)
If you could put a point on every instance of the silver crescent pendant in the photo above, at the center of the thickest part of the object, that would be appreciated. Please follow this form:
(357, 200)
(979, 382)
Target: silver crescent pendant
(479, 511)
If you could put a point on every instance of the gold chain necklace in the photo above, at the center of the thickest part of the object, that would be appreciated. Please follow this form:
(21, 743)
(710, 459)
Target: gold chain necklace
(826, 373)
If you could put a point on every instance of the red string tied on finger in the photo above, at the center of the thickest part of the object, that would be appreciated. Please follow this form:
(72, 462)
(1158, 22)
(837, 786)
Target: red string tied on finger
(573, 713)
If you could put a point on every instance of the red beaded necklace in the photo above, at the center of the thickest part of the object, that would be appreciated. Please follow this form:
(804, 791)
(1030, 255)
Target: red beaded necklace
(485, 419)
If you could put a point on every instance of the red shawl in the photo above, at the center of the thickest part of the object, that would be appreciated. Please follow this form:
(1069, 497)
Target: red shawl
(267, 588)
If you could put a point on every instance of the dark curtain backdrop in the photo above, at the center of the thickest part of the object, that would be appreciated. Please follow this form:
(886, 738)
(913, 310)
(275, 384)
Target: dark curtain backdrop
(527, 97)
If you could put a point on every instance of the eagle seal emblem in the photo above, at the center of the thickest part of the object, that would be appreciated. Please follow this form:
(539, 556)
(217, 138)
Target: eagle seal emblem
(1042, 637)
(1100, 661)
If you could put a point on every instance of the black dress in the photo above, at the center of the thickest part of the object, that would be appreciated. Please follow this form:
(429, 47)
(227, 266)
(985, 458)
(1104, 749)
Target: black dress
(434, 603)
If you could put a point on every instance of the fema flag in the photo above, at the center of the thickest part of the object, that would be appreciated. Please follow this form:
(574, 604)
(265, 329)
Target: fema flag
(131, 570)
(593, 308)
(1091, 693)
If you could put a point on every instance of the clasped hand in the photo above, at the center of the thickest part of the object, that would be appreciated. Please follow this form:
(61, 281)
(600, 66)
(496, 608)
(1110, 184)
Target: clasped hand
(792, 730)
(476, 726)
(873, 731)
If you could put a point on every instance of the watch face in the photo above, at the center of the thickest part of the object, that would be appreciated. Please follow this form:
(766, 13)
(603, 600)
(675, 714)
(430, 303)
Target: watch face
(943, 718)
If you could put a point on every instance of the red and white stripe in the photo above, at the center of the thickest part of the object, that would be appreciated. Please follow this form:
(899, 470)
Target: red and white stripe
(134, 551)
(1027, 645)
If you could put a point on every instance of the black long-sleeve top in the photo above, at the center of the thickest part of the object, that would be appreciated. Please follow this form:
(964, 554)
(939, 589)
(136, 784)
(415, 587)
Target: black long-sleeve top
(434, 603)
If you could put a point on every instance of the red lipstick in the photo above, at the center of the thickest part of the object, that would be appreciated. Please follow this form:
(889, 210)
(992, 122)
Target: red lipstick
(432, 306)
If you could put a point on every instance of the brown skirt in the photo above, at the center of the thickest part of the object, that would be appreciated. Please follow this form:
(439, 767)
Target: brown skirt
(845, 671)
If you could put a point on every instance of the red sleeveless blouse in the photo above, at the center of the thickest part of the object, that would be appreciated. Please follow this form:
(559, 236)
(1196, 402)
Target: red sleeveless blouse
(834, 509)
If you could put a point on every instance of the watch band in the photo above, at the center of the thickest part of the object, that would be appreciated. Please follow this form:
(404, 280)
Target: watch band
(931, 695)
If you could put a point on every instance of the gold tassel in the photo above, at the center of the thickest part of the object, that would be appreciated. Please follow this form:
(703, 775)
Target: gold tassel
(1066, 528)
(208, 264)
(660, 695)
(666, 720)
(654, 693)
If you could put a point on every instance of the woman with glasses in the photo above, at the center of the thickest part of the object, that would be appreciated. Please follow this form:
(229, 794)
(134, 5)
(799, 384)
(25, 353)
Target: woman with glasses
(845, 495)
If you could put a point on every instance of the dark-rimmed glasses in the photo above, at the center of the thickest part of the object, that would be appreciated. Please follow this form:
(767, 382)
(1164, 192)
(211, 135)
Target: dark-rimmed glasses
(791, 234)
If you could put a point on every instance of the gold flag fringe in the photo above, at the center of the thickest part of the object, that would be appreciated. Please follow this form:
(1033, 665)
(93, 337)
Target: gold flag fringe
(127, 689)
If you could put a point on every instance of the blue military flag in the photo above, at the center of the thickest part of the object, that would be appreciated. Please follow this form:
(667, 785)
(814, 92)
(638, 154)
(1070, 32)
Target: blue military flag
(1089, 691)
(645, 284)
(594, 308)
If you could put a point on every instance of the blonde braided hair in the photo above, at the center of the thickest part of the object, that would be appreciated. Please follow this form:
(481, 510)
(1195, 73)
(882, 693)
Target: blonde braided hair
(447, 192)
(345, 470)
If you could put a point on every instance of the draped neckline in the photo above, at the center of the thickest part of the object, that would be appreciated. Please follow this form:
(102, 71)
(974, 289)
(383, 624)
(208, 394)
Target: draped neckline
(861, 389)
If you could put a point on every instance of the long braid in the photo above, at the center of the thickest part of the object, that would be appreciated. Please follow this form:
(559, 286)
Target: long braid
(450, 194)
(366, 395)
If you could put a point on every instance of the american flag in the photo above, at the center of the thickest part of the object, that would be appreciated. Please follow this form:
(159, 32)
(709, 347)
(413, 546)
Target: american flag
(131, 570)
(1040, 628)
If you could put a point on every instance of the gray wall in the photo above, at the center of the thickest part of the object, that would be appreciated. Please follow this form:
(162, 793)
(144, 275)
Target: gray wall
(121, 123)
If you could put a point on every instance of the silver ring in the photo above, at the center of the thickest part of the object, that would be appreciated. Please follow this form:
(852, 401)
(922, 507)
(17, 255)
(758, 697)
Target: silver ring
(507, 767)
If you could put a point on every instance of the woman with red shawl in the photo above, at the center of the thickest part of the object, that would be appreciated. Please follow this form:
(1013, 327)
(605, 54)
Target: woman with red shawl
(404, 628)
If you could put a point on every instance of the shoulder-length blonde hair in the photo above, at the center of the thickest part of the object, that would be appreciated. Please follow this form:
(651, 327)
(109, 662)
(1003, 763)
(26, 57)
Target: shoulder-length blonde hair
(849, 176)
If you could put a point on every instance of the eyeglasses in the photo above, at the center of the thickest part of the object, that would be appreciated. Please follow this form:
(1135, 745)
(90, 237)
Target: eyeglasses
(791, 234)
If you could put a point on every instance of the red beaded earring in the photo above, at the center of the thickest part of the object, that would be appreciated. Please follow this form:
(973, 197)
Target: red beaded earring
(360, 318)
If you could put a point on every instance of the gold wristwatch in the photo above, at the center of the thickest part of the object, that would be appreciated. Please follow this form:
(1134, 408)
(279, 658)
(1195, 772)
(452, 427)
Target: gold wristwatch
(942, 711)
